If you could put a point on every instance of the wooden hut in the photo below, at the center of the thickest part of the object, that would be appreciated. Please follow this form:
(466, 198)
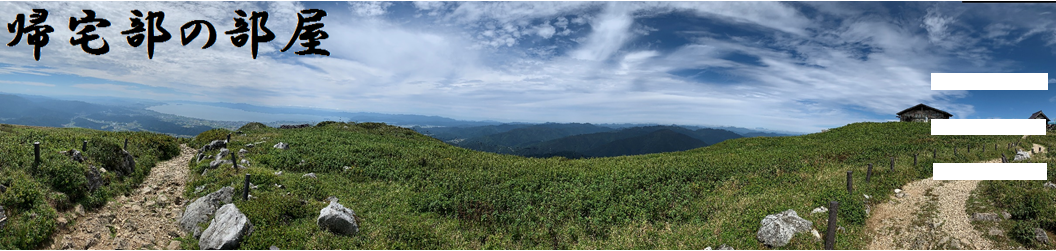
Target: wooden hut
(922, 113)
(1041, 115)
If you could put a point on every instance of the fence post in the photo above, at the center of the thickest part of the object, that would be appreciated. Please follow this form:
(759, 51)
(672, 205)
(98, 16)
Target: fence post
(868, 172)
(234, 162)
(1003, 158)
(126, 143)
(915, 159)
(228, 138)
(934, 153)
(245, 188)
(830, 234)
(955, 150)
(892, 164)
(969, 148)
(84, 147)
(36, 152)
(850, 186)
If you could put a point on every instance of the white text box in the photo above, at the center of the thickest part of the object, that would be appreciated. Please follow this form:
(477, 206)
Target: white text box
(987, 127)
(990, 171)
(989, 81)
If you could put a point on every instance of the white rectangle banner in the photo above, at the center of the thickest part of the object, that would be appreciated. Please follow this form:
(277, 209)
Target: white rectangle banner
(990, 171)
(988, 127)
(989, 81)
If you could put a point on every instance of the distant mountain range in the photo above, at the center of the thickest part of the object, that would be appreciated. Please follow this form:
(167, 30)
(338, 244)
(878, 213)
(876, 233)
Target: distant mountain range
(573, 140)
(580, 140)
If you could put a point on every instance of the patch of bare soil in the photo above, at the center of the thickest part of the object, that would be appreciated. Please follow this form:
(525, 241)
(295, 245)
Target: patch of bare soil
(147, 219)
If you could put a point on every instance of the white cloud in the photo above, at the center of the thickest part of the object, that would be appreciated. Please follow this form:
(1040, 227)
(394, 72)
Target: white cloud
(9, 82)
(611, 31)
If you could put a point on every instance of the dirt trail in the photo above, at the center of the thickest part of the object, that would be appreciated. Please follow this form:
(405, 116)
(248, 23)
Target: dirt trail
(145, 219)
(930, 215)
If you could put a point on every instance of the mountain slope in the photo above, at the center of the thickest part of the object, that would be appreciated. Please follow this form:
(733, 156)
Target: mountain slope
(415, 192)
(664, 140)
(520, 137)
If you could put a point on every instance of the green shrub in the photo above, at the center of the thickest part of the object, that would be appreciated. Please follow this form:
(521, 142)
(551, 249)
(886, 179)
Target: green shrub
(252, 126)
(1023, 232)
(325, 123)
(209, 136)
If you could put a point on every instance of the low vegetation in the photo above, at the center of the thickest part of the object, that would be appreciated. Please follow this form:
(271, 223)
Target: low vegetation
(1029, 203)
(411, 191)
(38, 193)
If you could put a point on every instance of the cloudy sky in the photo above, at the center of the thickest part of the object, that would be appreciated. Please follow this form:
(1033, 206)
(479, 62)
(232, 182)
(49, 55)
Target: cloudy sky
(798, 66)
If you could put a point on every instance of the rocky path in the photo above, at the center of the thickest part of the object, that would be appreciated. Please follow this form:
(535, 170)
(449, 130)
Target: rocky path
(929, 214)
(145, 219)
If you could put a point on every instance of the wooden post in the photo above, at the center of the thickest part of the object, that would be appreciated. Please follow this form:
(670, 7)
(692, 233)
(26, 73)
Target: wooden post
(830, 234)
(850, 186)
(954, 150)
(84, 147)
(892, 164)
(36, 151)
(126, 143)
(245, 188)
(234, 162)
(934, 153)
(969, 148)
(228, 139)
(1003, 158)
(869, 172)
(914, 159)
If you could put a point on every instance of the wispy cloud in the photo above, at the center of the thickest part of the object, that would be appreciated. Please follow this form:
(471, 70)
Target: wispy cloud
(9, 82)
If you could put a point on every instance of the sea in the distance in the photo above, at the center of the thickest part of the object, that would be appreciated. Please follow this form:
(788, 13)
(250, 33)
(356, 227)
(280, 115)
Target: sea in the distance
(209, 112)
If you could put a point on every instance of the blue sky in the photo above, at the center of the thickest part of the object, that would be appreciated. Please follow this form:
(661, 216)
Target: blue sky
(797, 66)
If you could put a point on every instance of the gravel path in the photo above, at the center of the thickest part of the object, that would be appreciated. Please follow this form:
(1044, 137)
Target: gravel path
(145, 219)
(929, 215)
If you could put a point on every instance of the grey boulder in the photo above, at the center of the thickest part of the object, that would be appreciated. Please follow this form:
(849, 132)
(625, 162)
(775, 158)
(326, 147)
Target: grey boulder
(127, 164)
(282, 146)
(778, 229)
(226, 230)
(1049, 184)
(200, 210)
(216, 163)
(1021, 155)
(337, 219)
(223, 153)
(95, 179)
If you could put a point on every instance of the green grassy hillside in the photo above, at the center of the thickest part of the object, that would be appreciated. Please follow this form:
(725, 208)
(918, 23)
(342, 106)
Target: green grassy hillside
(38, 193)
(415, 192)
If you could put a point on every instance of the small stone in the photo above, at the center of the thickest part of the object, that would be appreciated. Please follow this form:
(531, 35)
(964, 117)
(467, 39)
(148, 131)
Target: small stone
(242, 151)
(252, 186)
(173, 245)
(819, 210)
(867, 196)
(282, 146)
(199, 189)
(817, 236)
(346, 168)
(898, 190)
(309, 175)
(79, 210)
(273, 247)
(250, 145)
(278, 173)
(985, 217)
(278, 186)
(102, 170)
(841, 229)
(1006, 215)
(996, 232)
(244, 162)
(955, 244)
(900, 195)
(1040, 235)
(724, 247)
(707, 248)
(1050, 185)
(61, 221)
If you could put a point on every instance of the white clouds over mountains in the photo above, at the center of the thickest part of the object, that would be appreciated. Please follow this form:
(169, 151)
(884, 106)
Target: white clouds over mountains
(782, 65)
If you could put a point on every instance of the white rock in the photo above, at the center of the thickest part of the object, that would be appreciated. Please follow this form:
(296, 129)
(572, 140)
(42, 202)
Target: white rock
(226, 230)
(819, 210)
(337, 219)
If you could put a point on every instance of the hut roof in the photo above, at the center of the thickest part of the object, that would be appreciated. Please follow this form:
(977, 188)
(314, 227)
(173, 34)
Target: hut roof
(1039, 114)
(925, 107)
